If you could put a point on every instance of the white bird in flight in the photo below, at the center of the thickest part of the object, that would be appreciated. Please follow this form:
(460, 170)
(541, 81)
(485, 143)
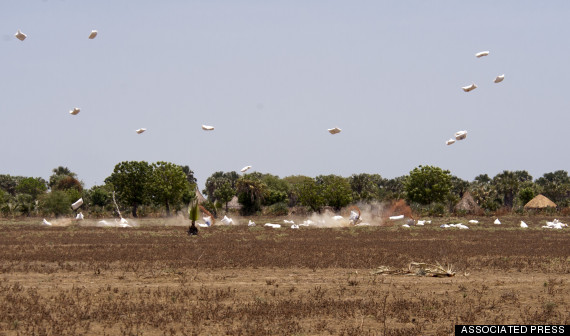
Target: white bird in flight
(460, 135)
(334, 130)
(450, 142)
(93, 34)
(140, 130)
(246, 168)
(207, 128)
(75, 111)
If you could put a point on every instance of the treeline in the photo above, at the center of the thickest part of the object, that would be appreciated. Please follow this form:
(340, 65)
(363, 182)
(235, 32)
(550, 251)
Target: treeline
(164, 188)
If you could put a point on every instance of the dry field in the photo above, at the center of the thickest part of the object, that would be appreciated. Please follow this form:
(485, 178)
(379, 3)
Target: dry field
(156, 280)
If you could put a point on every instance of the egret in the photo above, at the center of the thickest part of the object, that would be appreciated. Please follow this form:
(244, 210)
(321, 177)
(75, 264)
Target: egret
(500, 78)
(93, 34)
(251, 223)
(334, 130)
(460, 135)
(450, 142)
(246, 168)
(140, 130)
(207, 128)
(45, 222)
(75, 111)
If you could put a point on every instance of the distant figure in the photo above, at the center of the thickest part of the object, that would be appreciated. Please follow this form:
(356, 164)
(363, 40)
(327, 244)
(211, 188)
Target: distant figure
(193, 230)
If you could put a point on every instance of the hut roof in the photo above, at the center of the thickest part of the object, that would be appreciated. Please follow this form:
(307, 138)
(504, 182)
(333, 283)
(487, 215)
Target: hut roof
(201, 199)
(467, 204)
(234, 204)
(540, 202)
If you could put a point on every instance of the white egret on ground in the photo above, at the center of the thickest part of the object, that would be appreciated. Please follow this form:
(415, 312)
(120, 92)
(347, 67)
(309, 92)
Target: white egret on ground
(251, 223)
(79, 216)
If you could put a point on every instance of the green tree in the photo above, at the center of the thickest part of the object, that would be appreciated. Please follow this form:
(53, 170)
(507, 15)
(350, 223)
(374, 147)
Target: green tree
(218, 180)
(131, 180)
(335, 190)
(250, 194)
(168, 184)
(526, 194)
(484, 193)
(224, 192)
(58, 174)
(556, 186)
(56, 202)
(392, 189)
(428, 184)
(365, 187)
(307, 192)
(32, 186)
(508, 183)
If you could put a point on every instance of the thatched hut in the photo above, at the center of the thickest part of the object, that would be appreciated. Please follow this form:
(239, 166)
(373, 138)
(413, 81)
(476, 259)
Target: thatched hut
(468, 205)
(540, 202)
(201, 199)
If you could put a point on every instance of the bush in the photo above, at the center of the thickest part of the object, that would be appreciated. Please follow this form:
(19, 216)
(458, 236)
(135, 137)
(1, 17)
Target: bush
(437, 209)
(277, 209)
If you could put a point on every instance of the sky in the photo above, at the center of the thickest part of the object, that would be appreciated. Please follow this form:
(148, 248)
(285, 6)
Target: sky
(273, 76)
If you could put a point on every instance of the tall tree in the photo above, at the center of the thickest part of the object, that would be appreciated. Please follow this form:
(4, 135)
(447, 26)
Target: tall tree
(217, 180)
(32, 186)
(58, 174)
(508, 183)
(250, 194)
(365, 187)
(556, 186)
(168, 184)
(428, 184)
(131, 180)
(335, 190)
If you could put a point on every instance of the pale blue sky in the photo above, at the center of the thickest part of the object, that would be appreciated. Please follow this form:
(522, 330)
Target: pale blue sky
(273, 76)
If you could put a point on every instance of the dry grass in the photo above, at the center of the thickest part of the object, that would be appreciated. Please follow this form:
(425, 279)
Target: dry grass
(155, 280)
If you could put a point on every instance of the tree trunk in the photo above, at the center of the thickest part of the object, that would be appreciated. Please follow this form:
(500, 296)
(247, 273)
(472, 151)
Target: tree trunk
(134, 211)
(167, 205)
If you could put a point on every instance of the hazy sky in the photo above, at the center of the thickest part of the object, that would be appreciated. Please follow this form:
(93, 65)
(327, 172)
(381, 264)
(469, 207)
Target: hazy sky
(273, 76)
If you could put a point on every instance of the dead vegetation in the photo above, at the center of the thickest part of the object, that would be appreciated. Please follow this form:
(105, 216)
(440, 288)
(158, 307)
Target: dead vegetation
(257, 281)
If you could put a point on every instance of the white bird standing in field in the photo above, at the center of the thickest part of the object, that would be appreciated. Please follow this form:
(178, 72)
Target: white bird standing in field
(93, 34)
(469, 87)
(523, 225)
(20, 36)
(482, 53)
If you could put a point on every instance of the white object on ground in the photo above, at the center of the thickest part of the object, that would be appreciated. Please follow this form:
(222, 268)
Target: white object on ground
(500, 78)
(460, 135)
(353, 215)
(334, 130)
(140, 130)
(20, 36)
(363, 224)
(308, 222)
(473, 221)
(396, 217)
(244, 169)
(45, 222)
(497, 221)
(482, 53)
(469, 87)
(251, 223)
(444, 226)
(75, 111)
(227, 221)
(207, 128)
(461, 226)
(77, 204)
(204, 225)
(208, 220)
(336, 218)
(450, 142)
(288, 221)
(93, 34)
(420, 222)
(275, 226)
(406, 226)
(294, 226)
(79, 216)
(523, 224)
